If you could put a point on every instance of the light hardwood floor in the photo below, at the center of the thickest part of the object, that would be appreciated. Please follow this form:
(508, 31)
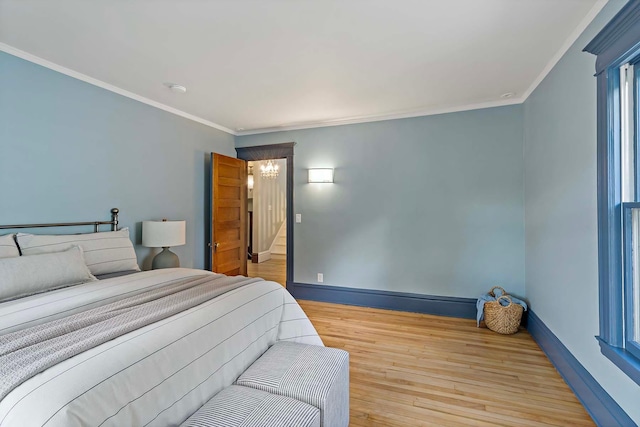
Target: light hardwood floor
(274, 269)
(411, 369)
(419, 370)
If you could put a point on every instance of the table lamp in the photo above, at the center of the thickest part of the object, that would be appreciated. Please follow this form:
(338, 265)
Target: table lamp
(164, 234)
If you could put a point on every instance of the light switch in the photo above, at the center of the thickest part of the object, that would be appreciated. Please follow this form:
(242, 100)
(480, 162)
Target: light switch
(298, 218)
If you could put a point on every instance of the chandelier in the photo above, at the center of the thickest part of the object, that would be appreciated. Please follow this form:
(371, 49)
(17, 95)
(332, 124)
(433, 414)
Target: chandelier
(270, 170)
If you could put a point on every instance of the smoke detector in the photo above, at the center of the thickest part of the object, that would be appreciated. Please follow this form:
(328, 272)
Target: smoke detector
(176, 88)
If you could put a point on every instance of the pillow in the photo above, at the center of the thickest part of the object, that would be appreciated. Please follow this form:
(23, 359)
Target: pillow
(8, 247)
(106, 252)
(27, 275)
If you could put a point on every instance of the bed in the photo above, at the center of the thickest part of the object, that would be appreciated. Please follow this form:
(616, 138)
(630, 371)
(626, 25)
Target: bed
(156, 371)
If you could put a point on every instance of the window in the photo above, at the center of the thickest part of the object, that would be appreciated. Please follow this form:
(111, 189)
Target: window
(631, 227)
(617, 48)
(629, 178)
(630, 231)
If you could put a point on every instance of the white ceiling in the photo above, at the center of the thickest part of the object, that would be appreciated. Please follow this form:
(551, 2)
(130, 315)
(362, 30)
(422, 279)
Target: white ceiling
(260, 65)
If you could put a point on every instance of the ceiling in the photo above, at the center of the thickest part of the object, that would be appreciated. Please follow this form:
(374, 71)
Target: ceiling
(261, 65)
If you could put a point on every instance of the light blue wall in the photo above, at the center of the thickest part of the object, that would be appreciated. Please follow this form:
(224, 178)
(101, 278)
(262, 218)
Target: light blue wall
(431, 205)
(70, 151)
(561, 215)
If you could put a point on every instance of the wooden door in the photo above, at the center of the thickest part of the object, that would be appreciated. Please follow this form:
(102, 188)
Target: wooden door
(229, 215)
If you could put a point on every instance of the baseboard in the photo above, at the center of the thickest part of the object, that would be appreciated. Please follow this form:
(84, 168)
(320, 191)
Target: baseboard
(401, 301)
(602, 408)
(262, 256)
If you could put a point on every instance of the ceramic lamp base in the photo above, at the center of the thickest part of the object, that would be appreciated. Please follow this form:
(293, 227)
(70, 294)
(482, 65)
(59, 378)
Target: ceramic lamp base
(165, 259)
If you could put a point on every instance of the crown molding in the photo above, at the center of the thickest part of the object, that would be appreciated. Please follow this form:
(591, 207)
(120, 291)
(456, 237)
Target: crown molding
(76, 75)
(593, 12)
(573, 37)
(381, 117)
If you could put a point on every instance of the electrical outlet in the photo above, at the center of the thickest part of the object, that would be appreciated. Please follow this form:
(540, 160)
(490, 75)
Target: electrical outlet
(320, 277)
(298, 218)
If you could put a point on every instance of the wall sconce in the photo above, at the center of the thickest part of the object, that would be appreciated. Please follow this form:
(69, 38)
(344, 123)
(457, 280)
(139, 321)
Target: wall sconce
(321, 175)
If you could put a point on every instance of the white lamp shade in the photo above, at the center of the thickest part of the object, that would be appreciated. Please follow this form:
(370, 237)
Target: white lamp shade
(163, 234)
(321, 175)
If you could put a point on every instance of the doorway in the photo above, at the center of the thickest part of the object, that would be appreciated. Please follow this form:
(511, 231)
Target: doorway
(267, 224)
(275, 266)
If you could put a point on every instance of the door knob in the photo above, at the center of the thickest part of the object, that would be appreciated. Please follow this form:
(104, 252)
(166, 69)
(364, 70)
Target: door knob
(215, 245)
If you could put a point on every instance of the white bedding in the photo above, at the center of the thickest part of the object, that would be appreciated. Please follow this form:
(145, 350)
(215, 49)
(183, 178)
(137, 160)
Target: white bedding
(159, 374)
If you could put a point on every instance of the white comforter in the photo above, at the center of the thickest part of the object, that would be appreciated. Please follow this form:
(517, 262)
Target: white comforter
(159, 374)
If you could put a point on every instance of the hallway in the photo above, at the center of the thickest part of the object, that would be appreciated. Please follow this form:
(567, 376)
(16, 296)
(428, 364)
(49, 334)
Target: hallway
(275, 270)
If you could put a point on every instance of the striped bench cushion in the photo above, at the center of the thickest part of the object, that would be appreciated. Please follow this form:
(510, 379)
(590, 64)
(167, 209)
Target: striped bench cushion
(8, 248)
(106, 252)
(313, 374)
(248, 407)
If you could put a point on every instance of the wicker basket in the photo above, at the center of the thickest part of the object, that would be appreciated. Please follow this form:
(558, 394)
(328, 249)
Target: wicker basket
(493, 294)
(503, 319)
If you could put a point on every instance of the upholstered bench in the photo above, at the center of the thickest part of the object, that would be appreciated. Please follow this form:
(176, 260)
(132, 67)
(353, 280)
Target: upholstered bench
(312, 374)
(237, 406)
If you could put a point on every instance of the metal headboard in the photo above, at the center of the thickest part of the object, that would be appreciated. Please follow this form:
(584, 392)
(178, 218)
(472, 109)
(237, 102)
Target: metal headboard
(96, 224)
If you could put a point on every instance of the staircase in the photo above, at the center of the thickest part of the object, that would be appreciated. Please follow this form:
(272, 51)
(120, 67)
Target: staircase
(279, 246)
